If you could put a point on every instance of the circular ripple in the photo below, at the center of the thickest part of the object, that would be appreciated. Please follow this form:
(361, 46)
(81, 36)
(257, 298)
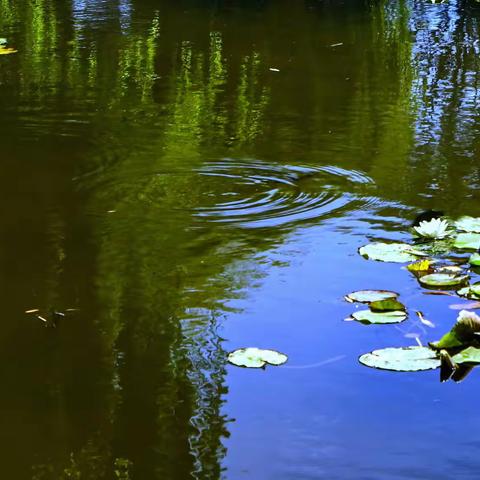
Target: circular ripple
(258, 194)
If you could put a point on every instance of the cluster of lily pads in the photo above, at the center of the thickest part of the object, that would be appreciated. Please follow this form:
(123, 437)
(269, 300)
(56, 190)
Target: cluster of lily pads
(435, 259)
(4, 50)
(429, 259)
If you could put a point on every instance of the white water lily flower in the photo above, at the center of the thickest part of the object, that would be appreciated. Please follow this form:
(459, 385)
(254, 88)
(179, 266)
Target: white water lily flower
(435, 228)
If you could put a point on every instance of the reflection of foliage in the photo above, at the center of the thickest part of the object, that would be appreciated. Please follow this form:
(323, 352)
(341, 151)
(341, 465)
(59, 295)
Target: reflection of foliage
(92, 462)
(383, 111)
(251, 101)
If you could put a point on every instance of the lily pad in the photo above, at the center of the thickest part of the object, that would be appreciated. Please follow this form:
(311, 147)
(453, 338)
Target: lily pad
(475, 259)
(455, 269)
(388, 305)
(443, 280)
(368, 296)
(469, 355)
(256, 357)
(468, 224)
(367, 316)
(409, 359)
(390, 252)
(467, 241)
(472, 291)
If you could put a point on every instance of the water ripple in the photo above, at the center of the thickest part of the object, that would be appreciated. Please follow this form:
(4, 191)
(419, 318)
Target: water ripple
(258, 194)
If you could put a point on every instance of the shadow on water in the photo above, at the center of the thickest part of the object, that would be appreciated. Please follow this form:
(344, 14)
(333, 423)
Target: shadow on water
(155, 155)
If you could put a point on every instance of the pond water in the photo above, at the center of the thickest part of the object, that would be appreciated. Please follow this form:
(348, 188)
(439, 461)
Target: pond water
(182, 179)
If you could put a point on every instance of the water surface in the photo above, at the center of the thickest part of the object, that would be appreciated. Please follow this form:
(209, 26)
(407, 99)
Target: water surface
(186, 178)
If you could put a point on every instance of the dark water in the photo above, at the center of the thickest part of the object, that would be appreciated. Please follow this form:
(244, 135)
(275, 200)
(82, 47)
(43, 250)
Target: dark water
(186, 200)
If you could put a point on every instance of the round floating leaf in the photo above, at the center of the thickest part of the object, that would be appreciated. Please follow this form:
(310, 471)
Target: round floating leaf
(469, 355)
(410, 359)
(455, 269)
(390, 252)
(256, 357)
(367, 316)
(388, 305)
(472, 291)
(443, 280)
(475, 289)
(367, 296)
(475, 259)
(468, 224)
(467, 241)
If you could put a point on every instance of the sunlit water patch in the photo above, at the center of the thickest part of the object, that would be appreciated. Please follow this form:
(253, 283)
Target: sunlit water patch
(257, 194)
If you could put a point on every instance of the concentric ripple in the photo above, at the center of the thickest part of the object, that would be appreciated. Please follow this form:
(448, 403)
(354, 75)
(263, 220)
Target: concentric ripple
(258, 194)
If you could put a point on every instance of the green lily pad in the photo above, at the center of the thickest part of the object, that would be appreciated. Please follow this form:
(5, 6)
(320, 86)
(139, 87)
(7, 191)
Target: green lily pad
(390, 252)
(455, 269)
(409, 359)
(469, 355)
(256, 357)
(368, 296)
(475, 259)
(468, 224)
(387, 305)
(467, 241)
(443, 280)
(472, 291)
(367, 316)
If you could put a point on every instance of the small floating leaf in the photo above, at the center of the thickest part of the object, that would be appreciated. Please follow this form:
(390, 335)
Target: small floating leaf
(367, 316)
(388, 305)
(468, 224)
(443, 280)
(256, 357)
(390, 252)
(472, 292)
(409, 359)
(368, 296)
(475, 259)
(467, 241)
(469, 355)
(420, 266)
(449, 269)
